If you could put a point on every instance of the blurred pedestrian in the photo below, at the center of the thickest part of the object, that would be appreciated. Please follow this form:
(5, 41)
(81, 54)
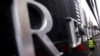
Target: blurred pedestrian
(92, 45)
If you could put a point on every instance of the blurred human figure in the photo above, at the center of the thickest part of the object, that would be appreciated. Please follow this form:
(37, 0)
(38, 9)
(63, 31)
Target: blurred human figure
(92, 45)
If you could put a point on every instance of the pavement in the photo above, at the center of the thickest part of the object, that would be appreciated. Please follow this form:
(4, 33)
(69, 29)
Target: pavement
(97, 51)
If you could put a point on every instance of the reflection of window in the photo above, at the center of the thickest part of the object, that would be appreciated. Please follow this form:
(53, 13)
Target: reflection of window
(92, 4)
(85, 17)
(85, 27)
(76, 31)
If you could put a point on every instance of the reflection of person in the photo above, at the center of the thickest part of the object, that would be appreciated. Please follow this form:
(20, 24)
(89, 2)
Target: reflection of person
(91, 44)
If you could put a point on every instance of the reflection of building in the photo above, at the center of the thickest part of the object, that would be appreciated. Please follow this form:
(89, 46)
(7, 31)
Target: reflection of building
(93, 6)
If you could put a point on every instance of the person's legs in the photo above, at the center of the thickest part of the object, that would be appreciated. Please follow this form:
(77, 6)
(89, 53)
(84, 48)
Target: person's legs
(91, 52)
